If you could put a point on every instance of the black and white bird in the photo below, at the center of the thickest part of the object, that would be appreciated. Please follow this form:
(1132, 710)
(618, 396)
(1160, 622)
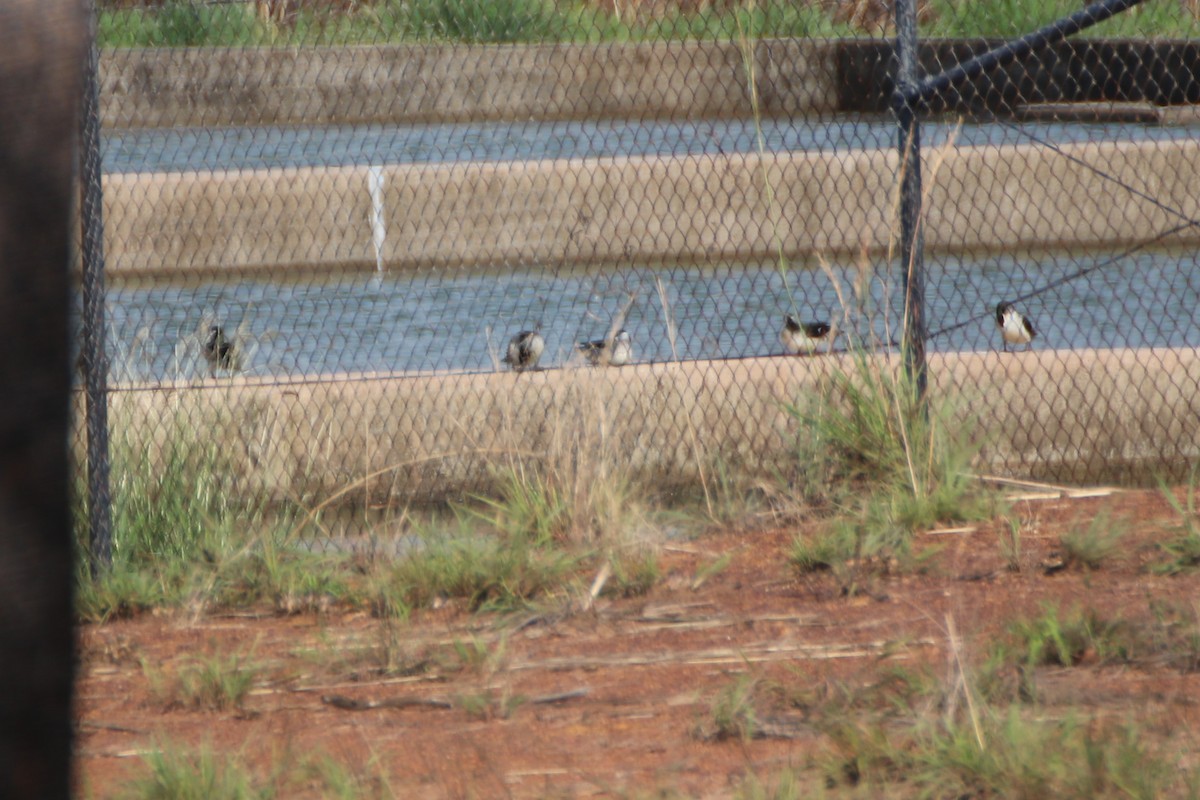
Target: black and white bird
(218, 350)
(524, 350)
(1015, 328)
(605, 352)
(803, 337)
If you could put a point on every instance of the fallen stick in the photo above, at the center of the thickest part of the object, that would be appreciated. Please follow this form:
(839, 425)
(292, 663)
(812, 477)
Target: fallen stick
(560, 697)
(350, 704)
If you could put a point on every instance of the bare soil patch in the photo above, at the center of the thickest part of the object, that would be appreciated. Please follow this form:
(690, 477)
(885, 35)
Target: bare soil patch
(618, 700)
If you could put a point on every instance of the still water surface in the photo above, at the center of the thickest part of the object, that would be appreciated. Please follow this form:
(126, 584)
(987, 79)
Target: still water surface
(447, 321)
(181, 149)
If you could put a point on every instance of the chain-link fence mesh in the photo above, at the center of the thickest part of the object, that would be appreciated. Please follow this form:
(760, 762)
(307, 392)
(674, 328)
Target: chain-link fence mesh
(326, 221)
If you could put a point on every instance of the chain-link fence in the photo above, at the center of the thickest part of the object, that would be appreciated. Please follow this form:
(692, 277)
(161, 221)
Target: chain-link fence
(327, 224)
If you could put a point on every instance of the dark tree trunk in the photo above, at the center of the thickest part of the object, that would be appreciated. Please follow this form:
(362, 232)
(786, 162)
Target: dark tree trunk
(41, 62)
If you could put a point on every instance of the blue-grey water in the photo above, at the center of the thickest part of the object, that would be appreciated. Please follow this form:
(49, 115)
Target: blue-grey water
(455, 321)
(182, 149)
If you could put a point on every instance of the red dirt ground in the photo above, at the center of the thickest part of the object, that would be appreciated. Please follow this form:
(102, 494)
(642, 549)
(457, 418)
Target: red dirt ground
(651, 667)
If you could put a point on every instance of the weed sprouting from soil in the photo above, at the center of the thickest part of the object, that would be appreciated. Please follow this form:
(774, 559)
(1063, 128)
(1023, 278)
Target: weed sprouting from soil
(185, 773)
(888, 462)
(1090, 546)
(733, 712)
(1183, 549)
(1011, 756)
(211, 683)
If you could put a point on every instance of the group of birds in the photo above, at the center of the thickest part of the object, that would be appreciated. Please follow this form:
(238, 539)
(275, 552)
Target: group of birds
(804, 337)
(526, 347)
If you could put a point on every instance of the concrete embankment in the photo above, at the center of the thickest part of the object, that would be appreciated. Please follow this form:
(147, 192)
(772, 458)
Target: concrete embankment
(1091, 415)
(700, 209)
(696, 209)
(423, 83)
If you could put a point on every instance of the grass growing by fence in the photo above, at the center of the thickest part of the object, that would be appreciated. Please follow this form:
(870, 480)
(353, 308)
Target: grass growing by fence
(1183, 549)
(184, 23)
(887, 462)
(187, 773)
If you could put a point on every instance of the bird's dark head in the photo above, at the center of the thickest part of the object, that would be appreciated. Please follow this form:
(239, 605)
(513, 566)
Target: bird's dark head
(817, 329)
(1002, 309)
(791, 323)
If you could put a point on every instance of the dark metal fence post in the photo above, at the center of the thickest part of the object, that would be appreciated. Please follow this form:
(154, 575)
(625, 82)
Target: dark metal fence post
(95, 362)
(912, 239)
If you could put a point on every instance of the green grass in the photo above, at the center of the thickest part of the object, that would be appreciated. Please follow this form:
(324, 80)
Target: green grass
(1097, 542)
(483, 20)
(212, 683)
(1007, 755)
(784, 786)
(258, 572)
(179, 539)
(337, 781)
(886, 463)
(184, 773)
(1183, 549)
(868, 434)
(1009, 18)
(175, 499)
(1010, 543)
(821, 551)
(494, 572)
(1058, 639)
(1174, 634)
(633, 574)
(733, 710)
(181, 23)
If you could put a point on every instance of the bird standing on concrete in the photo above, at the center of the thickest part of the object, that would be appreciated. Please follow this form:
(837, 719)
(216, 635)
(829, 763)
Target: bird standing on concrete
(524, 350)
(803, 337)
(613, 352)
(1015, 328)
(218, 351)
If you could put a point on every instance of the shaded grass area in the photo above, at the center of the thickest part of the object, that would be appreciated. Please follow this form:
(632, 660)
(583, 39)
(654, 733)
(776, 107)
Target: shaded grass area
(185, 536)
(182, 23)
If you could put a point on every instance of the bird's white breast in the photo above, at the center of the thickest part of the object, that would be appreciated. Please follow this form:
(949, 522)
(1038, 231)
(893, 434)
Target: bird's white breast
(1014, 329)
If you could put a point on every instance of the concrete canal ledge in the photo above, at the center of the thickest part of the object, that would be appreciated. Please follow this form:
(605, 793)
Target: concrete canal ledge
(697, 209)
(1078, 415)
(430, 83)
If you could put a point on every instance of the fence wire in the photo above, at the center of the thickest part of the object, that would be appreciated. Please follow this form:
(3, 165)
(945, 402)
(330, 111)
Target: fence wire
(360, 253)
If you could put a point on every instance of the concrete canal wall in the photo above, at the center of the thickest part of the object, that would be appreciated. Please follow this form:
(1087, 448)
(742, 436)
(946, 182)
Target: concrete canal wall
(699, 209)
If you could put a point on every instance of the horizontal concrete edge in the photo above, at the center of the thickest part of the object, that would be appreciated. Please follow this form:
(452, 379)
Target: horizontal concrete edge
(433, 83)
(1083, 415)
(688, 209)
(429, 83)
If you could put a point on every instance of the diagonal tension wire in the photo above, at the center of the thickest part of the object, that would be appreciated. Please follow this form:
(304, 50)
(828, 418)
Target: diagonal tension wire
(1079, 273)
(1023, 131)
(1188, 222)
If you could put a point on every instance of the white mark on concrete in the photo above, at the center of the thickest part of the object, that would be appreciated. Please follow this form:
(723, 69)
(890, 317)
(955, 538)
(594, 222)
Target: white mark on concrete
(378, 230)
